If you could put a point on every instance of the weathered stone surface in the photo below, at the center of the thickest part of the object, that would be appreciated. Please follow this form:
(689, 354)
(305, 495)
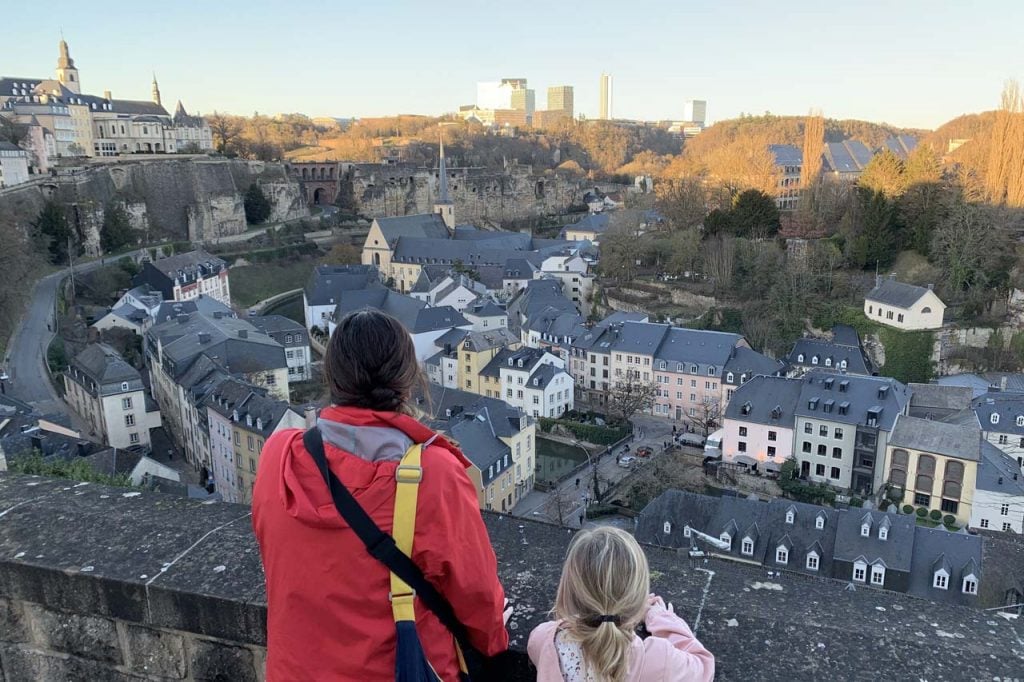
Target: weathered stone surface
(79, 635)
(22, 664)
(217, 662)
(155, 652)
(13, 624)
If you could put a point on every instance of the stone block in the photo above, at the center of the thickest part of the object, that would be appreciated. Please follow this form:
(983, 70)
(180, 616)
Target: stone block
(215, 661)
(22, 663)
(13, 624)
(155, 652)
(85, 636)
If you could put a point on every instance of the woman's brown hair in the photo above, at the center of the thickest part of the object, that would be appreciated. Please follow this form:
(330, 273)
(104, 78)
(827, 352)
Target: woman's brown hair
(371, 363)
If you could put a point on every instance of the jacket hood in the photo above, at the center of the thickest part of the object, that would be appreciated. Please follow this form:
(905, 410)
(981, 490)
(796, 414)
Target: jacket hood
(363, 449)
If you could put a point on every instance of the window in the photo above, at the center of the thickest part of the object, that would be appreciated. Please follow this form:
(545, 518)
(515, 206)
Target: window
(970, 585)
(878, 574)
(994, 418)
(814, 360)
(822, 450)
(251, 443)
(238, 438)
(290, 354)
(1020, 420)
(922, 500)
(686, 531)
(771, 450)
(834, 473)
(133, 437)
(1004, 510)
(984, 523)
(806, 447)
(693, 397)
(860, 570)
(727, 539)
(747, 548)
(790, 516)
(823, 431)
(837, 453)
(1006, 527)
(819, 470)
(124, 387)
(270, 379)
(1003, 439)
(743, 431)
(126, 403)
(883, 533)
(693, 383)
(728, 377)
(940, 580)
(800, 357)
(742, 446)
(812, 561)
(781, 555)
(129, 420)
(899, 318)
(949, 506)
(668, 525)
(838, 433)
(865, 530)
(819, 522)
(808, 428)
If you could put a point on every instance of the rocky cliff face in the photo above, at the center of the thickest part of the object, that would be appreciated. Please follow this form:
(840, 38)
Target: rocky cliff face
(193, 199)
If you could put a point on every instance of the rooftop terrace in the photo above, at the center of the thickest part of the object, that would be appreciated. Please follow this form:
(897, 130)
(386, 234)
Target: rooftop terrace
(101, 583)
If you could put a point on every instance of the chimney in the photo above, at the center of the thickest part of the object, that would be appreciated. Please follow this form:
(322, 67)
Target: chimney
(310, 414)
(106, 94)
(931, 287)
(243, 333)
(182, 319)
(37, 442)
(1002, 383)
(204, 337)
(83, 448)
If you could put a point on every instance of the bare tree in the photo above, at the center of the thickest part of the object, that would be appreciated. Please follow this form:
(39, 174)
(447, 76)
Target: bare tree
(626, 398)
(561, 503)
(620, 250)
(682, 201)
(707, 416)
(1004, 178)
(225, 129)
(814, 147)
(719, 259)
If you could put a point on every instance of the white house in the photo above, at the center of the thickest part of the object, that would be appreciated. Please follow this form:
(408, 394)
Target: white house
(486, 315)
(533, 380)
(135, 310)
(998, 493)
(904, 306)
(456, 290)
(13, 165)
(187, 276)
(327, 283)
(1001, 417)
(108, 393)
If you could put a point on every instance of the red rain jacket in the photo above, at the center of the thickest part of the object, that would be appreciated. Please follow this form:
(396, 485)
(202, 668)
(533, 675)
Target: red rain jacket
(328, 614)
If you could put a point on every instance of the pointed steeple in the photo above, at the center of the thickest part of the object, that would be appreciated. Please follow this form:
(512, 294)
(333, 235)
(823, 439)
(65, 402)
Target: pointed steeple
(444, 205)
(156, 91)
(67, 74)
(64, 61)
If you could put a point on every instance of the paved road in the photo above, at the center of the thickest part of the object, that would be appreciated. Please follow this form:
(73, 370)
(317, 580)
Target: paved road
(537, 504)
(26, 358)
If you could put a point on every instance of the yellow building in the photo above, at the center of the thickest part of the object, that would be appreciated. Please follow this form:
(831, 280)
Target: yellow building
(475, 351)
(934, 465)
(381, 240)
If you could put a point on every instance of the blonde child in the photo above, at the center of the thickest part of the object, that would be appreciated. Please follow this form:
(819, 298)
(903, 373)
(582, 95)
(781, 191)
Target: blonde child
(604, 594)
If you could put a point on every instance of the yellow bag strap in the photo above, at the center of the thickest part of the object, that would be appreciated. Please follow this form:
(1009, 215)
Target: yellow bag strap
(408, 477)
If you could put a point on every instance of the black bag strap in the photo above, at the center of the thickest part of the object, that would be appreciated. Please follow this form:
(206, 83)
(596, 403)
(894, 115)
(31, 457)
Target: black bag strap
(382, 547)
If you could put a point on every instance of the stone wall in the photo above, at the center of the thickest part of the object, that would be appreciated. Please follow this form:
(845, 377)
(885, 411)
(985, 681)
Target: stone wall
(100, 583)
(481, 195)
(190, 198)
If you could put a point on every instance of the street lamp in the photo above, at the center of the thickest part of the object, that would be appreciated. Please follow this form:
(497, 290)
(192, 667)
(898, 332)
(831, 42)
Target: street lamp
(591, 464)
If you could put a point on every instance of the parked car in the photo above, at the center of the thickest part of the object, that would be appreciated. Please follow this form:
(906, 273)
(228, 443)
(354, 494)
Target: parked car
(644, 452)
(627, 461)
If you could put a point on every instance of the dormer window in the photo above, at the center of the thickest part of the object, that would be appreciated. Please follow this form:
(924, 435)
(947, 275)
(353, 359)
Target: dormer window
(1020, 420)
(819, 522)
(511, 362)
(747, 547)
(781, 555)
(686, 531)
(860, 571)
(842, 364)
(729, 377)
(883, 533)
(812, 561)
(662, 365)
(790, 516)
(970, 585)
(940, 580)
(814, 360)
(800, 357)
(878, 574)
(693, 369)
(994, 418)
(828, 362)
(865, 530)
(124, 385)
(727, 539)
(668, 527)
(519, 363)
(259, 424)
(234, 415)
(711, 371)
(248, 420)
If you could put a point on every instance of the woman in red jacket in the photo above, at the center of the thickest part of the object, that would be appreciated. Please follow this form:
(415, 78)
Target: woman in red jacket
(328, 612)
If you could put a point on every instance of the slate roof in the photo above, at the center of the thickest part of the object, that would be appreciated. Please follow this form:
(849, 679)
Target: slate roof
(844, 345)
(146, 295)
(848, 156)
(452, 337)
(679, 344)
(863, 394)
(104, 365)
(9, 147)
(1008, 406)
(114, 461)
(327, 281)
(232, 396)
(897, 294)
(640, 337)
(764, 394)
(478, 441)
(191, 261)
(538, 296)
(594, 222)
(271, 324)
(201, 304)
(746, 361)
(978, 384)
(529, 357)
(412, 313)
(496, 338)
(136, 107)
(786, 154)
(485, 307)
(543, 376)
(960, 553)
(935, 401)
(950, 440)
(429, 225)
(900, 145)
(235, 344)
(519, 268)
(895, 552)
(998, 472)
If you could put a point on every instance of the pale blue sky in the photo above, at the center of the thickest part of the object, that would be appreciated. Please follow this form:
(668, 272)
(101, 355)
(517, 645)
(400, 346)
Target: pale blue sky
(908, 62)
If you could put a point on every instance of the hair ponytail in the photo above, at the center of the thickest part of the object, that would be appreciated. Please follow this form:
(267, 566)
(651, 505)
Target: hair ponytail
(602, 596)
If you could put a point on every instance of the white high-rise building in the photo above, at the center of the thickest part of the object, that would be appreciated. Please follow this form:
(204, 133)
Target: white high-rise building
(606, 97)
(696, 111)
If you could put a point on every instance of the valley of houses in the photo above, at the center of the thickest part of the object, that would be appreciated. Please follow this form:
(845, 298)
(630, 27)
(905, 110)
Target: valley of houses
(500, 323)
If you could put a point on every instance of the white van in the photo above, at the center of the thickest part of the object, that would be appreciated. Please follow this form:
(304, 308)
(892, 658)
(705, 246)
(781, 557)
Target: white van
(713, 446)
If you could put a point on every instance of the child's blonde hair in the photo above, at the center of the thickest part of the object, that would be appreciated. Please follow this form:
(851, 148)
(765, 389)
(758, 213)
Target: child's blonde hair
(605, 574)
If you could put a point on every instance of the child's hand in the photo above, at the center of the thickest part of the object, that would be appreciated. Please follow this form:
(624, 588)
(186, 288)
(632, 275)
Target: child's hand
(654, 601)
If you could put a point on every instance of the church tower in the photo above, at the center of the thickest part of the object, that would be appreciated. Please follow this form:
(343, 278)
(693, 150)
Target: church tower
(444, 205)
(156, 92)
(67, 74)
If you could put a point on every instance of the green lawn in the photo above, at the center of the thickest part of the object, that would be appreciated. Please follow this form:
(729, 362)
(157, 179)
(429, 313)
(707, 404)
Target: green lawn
(253, 283)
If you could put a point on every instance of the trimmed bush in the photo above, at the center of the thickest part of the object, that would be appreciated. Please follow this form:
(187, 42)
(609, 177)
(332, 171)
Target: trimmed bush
(908, 509)
(949, 520)
(935, 515)
(884, 505)
(856, 502)
(922, 512)
(588, 433)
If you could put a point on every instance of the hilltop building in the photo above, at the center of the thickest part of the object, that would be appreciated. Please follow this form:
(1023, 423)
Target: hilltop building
(904, 306)
(605, 112)
(187, 276)
(13, 165)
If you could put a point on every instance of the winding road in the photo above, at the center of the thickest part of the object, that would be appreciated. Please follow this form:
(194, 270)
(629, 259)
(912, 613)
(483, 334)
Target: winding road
(25, 363)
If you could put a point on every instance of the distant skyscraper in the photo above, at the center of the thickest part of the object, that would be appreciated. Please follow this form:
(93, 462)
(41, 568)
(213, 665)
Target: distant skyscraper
(560, 99)
(696, 111)
(606, 97)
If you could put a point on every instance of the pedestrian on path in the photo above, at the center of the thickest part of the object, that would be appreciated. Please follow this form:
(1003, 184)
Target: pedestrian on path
(581, 520)
(577, 482)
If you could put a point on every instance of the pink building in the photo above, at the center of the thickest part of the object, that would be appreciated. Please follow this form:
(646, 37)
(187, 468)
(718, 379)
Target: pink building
(759, 422)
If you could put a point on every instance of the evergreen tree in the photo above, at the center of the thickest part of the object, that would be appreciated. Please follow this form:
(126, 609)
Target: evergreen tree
(755, 215)
(257, 207)
(116, 231)
(884, 173)
(53, 230)
(877, 241)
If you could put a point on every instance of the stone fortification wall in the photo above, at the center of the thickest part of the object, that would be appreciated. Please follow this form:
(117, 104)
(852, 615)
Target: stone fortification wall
(100, 583)
(481, 195)
(197, 199)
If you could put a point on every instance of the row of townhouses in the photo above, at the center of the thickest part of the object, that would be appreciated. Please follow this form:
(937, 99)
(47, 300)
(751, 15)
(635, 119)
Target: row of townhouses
(60, 120)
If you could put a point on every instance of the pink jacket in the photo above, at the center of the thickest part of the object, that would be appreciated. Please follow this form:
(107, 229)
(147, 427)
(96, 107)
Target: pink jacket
(671, 654)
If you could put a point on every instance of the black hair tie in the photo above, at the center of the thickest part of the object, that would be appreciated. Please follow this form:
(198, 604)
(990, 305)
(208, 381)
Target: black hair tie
(605, 618)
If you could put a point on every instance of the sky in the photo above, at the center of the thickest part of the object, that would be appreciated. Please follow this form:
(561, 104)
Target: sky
(912, 63)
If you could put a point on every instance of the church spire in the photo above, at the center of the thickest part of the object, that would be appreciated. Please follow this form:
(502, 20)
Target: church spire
(67, 74)
(444, 205)
(156, 91)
